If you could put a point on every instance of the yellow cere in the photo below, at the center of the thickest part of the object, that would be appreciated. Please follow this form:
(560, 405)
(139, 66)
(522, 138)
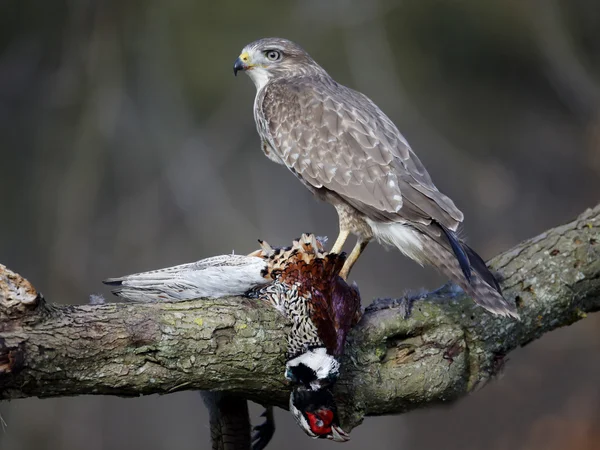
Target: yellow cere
(245, 57)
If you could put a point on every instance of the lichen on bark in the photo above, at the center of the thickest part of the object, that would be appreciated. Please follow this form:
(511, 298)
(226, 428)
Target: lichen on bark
(404, 354)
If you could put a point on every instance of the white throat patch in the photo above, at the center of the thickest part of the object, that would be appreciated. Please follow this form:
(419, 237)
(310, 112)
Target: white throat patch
(323, 364)
(259, 75)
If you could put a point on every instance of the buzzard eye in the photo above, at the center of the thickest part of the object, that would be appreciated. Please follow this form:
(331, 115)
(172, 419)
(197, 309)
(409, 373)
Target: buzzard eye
(273, 55)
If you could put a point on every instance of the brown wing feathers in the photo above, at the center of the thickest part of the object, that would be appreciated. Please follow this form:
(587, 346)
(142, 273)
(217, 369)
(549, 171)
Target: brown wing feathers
(336, 138)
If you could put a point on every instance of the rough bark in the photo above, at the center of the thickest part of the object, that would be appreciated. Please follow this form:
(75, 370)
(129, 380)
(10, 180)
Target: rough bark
(404, 354)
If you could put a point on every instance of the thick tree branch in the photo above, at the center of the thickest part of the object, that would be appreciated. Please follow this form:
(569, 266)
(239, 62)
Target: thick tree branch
(404, 353)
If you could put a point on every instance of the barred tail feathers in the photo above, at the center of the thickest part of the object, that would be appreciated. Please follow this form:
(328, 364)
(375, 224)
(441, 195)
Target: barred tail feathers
(428, 249)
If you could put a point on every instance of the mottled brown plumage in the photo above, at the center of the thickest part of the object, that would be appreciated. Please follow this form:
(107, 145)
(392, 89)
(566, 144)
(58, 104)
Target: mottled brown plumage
(301, 281)
(350, 154)
(310, 278)
(307, 289)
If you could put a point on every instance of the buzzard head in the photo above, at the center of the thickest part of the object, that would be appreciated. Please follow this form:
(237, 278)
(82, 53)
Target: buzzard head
(271, 58)
(316, 413)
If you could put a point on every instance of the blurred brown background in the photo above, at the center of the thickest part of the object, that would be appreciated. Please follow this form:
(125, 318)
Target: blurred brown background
(128, 145)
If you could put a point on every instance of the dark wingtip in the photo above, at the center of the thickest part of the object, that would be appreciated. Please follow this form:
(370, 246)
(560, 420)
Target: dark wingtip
(459, 251)
(113, 281)
(479, 265)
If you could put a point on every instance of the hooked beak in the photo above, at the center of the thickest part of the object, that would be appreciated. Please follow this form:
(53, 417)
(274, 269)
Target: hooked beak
(241, 63)
(338, 435)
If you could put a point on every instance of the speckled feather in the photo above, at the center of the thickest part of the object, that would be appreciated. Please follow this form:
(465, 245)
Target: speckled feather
(301, 281)
(349, 153)
(306, 288)
(335, 138)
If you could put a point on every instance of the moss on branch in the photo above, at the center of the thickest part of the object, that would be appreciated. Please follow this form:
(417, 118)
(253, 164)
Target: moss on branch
(405, 353)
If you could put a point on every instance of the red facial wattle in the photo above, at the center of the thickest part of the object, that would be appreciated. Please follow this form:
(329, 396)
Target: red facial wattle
(320, 422)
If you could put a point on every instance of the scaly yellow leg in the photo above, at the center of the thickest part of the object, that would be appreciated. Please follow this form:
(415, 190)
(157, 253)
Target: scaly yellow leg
(339, 242)
(360, 246)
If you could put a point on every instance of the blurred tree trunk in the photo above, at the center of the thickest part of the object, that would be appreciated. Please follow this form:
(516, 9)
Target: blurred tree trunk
(229, 420)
